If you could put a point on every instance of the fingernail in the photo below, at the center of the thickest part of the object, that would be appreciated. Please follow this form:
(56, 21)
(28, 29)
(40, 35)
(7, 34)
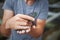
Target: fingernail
(17, 31)
(23, 31)
(28, 30)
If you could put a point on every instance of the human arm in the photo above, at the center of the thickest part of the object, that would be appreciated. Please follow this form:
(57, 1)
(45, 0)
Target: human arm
(7, 15)
(37, 31)
(40, 20)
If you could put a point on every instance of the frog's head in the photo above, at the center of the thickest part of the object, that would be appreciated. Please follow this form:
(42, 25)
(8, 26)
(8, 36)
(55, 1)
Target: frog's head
(34, 14)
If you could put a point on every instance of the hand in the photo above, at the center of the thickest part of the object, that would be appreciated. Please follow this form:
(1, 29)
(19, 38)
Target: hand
(27, 30)
(24, 31)
(18, 20)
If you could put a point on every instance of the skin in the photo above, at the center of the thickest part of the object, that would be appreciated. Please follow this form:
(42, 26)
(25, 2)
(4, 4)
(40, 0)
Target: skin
(14, 22)
(29, 2)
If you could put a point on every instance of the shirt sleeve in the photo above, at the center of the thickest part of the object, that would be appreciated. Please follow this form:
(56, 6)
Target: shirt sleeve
(8, 5)
(44, 10)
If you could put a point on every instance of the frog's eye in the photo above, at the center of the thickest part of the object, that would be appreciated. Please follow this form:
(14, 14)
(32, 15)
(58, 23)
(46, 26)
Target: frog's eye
(34, 14)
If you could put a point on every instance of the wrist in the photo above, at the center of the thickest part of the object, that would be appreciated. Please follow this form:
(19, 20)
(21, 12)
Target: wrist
(35, 32)
(7, 25)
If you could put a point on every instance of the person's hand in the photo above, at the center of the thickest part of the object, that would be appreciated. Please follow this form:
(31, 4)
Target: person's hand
(26, 31)
(18, 21)
(31, 27)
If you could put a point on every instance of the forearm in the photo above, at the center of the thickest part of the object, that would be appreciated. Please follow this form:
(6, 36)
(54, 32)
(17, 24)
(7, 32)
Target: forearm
(5, 32)
(38, 30)
(7, 15)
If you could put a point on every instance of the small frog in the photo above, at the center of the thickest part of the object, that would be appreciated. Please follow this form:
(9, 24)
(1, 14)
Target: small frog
(34, 14)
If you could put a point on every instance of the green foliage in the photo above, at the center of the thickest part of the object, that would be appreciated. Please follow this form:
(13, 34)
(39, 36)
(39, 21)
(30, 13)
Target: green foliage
(0, 21)
(50, 25)
(53, 1)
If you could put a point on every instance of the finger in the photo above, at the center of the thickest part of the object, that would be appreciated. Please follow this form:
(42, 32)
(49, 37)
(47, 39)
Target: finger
(26, 17)
(21, 20)
(28, 30)
(22, 23)
(17, 31)
(18, 19)
(21, 32)
(22, 27)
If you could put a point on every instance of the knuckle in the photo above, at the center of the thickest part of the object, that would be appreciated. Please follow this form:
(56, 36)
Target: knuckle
(18, 14)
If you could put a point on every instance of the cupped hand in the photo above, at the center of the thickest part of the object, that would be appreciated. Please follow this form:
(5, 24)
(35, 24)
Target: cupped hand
(26, 31)
(17, 21)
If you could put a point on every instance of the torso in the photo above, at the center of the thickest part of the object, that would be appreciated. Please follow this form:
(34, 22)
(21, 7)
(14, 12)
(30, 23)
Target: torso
(22, 8)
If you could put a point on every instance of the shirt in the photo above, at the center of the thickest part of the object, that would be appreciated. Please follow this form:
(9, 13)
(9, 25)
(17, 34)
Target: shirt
(40, 9)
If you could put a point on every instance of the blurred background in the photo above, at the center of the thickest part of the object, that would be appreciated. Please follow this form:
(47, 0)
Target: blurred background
(52, 27)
